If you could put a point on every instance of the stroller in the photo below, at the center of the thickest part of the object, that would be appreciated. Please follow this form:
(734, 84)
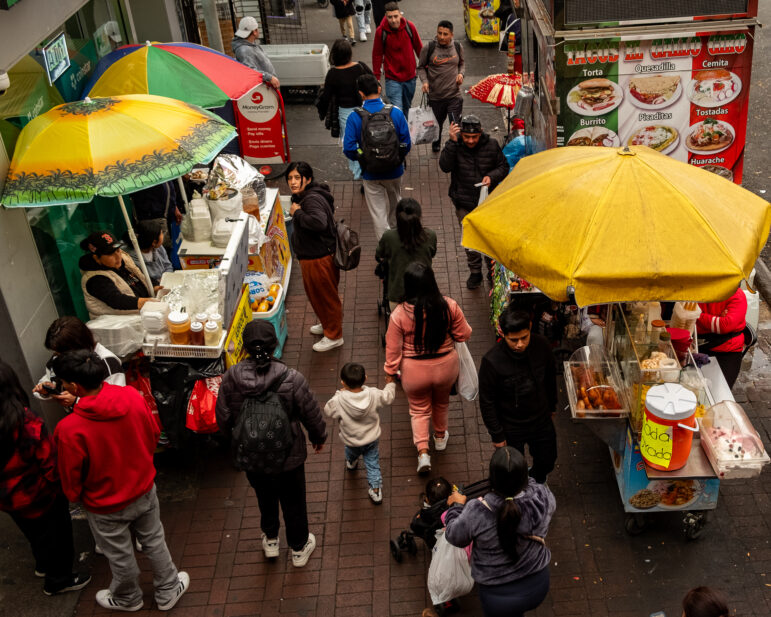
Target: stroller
(383, 307)
(428, 520)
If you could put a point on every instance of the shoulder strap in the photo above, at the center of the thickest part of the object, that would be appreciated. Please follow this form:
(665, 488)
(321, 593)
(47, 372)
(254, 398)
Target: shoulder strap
(457, 49)
(277, 384)
(113, 365)
(409, 33)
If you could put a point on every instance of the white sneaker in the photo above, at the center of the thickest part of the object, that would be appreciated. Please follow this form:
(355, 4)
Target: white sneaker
(317, 329)
(300, 558)
(362, 36)
(368, 30)
(98, 550)
(138, 545)
(325, 344)
(424, 463)
(105, 600)
(184, 583)
(270, 546)
(376, 495)
(441, 443)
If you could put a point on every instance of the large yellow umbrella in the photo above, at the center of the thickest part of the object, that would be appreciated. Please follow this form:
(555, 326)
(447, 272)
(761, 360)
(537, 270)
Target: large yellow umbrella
(620, 224)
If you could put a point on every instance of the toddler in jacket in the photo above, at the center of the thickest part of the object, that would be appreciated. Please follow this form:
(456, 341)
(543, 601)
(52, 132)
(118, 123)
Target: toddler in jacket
(355, 406)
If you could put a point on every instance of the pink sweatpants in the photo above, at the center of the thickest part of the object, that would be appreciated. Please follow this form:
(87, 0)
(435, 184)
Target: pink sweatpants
(427, 384)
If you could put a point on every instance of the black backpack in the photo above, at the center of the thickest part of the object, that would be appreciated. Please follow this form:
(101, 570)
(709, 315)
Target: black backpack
(381, 151)
(262, 435)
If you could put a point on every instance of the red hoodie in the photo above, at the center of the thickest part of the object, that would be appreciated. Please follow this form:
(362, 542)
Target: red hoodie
(725, 317)
(106, 449)
(400, 51)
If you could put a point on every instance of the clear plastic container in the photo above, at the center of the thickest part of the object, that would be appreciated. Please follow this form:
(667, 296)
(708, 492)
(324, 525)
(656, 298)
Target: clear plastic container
(212, 333)
(196, 333)
(202, 317)
(179, 328)
(731, 443)
(593, 385)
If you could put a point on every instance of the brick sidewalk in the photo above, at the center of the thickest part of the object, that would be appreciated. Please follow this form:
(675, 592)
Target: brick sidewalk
(597, 569)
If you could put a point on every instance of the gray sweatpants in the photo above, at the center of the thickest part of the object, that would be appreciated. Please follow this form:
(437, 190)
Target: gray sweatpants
(381, 197)
(112, 533)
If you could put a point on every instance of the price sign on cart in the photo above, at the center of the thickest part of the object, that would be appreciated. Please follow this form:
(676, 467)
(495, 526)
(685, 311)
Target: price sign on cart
(656, 443)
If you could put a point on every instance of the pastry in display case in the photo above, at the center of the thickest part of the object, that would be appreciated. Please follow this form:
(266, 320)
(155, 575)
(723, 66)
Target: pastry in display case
(731, 443)
(594, 386)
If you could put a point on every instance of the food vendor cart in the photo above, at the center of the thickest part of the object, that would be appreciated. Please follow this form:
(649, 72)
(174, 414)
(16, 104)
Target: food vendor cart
(631, 73)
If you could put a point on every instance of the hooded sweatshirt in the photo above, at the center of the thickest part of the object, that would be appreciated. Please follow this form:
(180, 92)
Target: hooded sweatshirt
(252, 55)
(357, 415)
(397, 55)
(106, 448)
(477, 523)
(441, 70)
(313, 223)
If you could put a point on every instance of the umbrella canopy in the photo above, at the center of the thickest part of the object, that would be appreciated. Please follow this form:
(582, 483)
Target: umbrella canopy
(619, 225)
(499, 90)
(183, 71)
(109, 146)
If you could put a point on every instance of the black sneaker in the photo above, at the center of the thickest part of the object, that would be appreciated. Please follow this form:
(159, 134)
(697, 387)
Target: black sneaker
(474, 280)
(361, 189)
(436, 145)
(77, 582)
(352, 41)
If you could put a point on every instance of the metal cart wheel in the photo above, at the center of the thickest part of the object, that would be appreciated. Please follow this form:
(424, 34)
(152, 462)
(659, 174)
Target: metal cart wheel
(635, 523)
(395, 552)
(694, 523)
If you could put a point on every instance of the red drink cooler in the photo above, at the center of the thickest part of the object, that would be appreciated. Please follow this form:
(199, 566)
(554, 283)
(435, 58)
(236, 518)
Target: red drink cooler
(681, 341)
(668, 426)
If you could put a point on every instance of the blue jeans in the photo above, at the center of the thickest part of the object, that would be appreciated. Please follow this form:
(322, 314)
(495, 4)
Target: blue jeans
(342, 114)
(371, 455)
(400, 93)
(363, 13)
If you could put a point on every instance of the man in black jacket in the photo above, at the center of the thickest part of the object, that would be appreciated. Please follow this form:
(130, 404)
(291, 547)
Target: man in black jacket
(518, 392)
(473, 161)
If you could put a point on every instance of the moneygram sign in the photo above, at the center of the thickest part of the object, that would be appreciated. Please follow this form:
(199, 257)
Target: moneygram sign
(260, 126)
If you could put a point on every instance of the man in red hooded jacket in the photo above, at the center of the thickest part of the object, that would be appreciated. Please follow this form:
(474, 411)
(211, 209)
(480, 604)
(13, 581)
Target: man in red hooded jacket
(395, 48)
(106, 451)
(721, 325)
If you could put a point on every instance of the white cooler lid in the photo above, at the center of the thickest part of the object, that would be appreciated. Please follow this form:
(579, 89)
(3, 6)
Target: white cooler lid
(670, 401)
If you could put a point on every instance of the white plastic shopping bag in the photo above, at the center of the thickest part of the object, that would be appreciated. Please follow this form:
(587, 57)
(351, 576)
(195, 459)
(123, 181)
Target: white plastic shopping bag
(468, 380)
(483, 193)
(449, 575)
(424, 129)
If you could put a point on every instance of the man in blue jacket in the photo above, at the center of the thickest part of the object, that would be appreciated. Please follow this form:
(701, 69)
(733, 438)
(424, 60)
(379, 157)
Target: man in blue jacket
(378, 137)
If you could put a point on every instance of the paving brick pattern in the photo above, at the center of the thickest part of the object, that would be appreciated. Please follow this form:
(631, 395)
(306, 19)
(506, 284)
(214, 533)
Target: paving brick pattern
(597, 569)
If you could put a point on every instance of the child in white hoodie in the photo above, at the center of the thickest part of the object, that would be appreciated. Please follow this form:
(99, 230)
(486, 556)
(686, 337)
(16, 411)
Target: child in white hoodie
(355, 407)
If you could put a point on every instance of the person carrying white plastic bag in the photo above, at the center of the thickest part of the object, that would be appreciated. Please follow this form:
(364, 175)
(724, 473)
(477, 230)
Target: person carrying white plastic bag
(468, 380)
(424, 128)
(449, 575)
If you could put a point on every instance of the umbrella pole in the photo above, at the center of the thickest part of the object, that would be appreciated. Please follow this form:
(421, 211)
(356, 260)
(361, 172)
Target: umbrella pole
(183, 192)
(135, 244)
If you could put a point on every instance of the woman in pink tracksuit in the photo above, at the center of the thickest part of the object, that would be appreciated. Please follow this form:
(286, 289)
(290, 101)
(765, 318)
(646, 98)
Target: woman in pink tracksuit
(420, 343)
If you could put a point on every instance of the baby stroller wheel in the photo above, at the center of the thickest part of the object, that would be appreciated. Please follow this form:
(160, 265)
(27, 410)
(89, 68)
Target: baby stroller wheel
(395, 552)
(412, 547)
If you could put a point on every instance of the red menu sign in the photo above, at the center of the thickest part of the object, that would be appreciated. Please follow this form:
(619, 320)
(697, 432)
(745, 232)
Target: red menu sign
(683, 95)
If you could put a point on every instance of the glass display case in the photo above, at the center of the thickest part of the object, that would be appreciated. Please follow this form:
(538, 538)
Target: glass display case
(594, 387)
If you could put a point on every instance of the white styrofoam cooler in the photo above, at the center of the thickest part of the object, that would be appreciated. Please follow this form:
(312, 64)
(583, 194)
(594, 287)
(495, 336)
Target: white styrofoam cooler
(299, 65)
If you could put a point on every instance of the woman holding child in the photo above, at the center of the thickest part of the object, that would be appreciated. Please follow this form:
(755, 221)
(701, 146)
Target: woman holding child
(420, 343)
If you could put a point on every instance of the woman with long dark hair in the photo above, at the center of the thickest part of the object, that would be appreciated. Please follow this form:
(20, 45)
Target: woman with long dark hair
(314, 243)
(509, 556)
(30, 491)
(420, 342)
(257, 377)
(409, 242)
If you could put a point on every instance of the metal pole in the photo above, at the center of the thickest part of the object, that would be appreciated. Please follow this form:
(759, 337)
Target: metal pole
(135, 243)
(212, 24)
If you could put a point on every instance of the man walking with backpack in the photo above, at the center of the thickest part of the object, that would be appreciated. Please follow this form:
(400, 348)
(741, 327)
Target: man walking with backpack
(440, 68)
(377, 135)
(396, 44)
(264, 404)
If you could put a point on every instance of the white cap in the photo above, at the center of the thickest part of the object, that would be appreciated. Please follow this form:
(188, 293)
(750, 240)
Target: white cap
(246, 26)
(670, 401)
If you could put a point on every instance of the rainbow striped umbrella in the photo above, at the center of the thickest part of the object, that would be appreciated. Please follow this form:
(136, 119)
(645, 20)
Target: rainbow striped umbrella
(183, 71)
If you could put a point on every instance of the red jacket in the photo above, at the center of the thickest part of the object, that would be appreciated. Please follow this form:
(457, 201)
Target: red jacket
(106, 449)
(29, 483)
(725, 317)
(399, 63)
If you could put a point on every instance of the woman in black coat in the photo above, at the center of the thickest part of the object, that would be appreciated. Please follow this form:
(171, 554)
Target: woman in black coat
(253, 379)
(344, 11)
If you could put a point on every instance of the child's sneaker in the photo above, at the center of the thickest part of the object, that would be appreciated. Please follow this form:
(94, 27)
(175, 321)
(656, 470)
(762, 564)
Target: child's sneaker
(376, 495)
(440, 443)
(301, 557)
(351, 465)
(270, 546)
